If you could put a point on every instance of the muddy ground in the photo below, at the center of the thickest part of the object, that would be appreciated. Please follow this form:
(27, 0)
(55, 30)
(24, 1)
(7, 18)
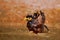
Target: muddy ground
(22, 33)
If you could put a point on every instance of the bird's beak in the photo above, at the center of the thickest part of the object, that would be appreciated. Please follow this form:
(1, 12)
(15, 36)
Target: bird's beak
(25, 18)
(28, 19)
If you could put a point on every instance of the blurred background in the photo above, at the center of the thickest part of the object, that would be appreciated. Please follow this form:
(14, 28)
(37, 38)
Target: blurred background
(12, 13)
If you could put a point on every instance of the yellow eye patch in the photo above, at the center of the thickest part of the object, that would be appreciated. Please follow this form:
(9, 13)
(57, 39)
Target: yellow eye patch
(28, 19)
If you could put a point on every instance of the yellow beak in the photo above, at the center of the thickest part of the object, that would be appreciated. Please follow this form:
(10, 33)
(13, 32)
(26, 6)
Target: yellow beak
(25, 18)
(28, 19)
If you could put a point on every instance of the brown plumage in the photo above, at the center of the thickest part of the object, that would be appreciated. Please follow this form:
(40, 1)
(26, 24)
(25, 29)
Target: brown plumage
(37, 23)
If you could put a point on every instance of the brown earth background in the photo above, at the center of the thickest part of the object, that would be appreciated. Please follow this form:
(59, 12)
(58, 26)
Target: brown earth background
(12, 12)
